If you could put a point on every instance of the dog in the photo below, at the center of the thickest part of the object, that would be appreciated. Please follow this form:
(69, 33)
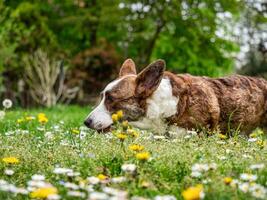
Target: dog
(155, 98)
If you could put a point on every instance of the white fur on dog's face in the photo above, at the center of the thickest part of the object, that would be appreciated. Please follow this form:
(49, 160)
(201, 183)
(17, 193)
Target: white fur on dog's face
(100, 117)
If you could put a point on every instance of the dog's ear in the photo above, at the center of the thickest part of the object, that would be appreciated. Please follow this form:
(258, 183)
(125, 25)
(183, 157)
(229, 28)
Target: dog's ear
(148, 80)
(128, 67)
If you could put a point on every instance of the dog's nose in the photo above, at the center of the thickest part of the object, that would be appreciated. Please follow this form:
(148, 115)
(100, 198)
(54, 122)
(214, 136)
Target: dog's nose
(88, 123)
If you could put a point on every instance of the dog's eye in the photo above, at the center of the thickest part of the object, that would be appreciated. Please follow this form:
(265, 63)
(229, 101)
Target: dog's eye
(109, 97)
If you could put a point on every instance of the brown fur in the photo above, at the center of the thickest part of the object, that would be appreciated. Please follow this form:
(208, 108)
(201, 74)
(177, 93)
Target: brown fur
(230, 102)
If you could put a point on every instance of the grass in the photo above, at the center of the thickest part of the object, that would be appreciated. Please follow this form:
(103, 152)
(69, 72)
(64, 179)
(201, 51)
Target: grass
(167, 172)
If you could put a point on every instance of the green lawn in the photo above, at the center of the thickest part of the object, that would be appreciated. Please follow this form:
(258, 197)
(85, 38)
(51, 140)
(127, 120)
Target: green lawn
(62, 142)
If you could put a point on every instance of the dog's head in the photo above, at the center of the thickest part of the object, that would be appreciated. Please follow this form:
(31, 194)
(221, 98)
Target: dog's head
(127, 93)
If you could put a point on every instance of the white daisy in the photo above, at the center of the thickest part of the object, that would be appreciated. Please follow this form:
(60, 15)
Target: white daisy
(7, 103)
(9, 172)
(248, 177)
(129, 168)
(165, 197)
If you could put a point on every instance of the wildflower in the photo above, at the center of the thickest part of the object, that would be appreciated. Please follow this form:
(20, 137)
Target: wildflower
(130, 168)
(9, 172)
(98, 196)
(203, 167)
(256, 133)
(37, 184)
(222, 157)
(252, 139)
(49, 135)
(38, 177)
(93, 180)
(119, 179)
(29, 118)
(253, 135)
(125, 124)
(53, 197)
(121, 136)
(146, 184)
(133, 133)
(261, 143)
(42, 118)
(114, 117)
(143, 156)
(2, 114)
(227, 180)
(196, 174)
(19, 121)
(244, 187)
(115, 192)
(206, 181)
(258, 191)
(102, 177)
(165, 197)
(70, 185)
(75, 131)
(187, 136)
(82, 134)
(193, 193)
(222, 136)
(120, 114)
(72, 174)
(257, 166)
(248, 177)
(7, 103)
(76, 194)
(43, 192)
(136, 147)
(59, 170)
(10, 160)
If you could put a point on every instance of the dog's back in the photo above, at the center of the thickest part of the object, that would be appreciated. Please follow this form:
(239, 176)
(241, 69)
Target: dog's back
(230, 102)
(242, 100)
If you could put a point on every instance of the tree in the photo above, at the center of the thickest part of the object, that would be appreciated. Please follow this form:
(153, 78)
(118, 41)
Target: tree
(253, 26)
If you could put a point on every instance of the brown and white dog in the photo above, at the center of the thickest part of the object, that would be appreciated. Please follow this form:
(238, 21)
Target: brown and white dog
(155, 97)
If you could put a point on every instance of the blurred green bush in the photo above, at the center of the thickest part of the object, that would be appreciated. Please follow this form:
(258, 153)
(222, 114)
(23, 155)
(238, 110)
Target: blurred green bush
(182, 32)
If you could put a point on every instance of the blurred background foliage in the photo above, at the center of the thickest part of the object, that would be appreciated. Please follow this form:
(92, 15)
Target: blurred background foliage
(207, 37)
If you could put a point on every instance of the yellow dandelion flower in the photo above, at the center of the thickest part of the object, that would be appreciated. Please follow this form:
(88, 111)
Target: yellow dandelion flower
(102, 177)
(222, 136)
(10, 160)
(29, 118)
(121, 136)
(261, 143)
(19, 121)
(75, 131)
(43, 192)
(193, 193)
(227, 180)
(41, 115)
(146, 184)
(120, 114)
(253, 135)
(125, 124)
(43, 120)
(133, 133)
(136, 147)
(143, 156)
(114, 117)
